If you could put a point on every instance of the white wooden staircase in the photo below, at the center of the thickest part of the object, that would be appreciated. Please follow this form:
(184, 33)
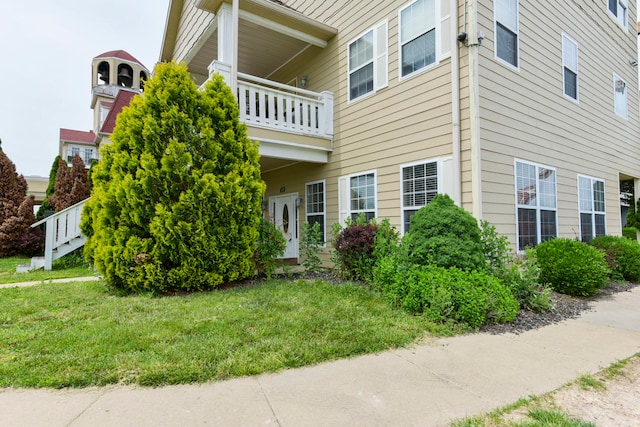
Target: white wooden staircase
(62, 235)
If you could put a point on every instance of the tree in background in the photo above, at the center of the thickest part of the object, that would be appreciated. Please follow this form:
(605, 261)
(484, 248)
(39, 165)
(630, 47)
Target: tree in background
(72, 184)
(16, 213)
(46, 205)
(176, 201)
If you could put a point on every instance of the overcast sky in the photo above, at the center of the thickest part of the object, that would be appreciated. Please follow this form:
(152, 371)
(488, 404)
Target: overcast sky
(46, 48)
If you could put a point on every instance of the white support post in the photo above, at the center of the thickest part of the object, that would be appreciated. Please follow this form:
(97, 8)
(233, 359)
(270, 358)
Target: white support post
(50, 231)
(327, 102)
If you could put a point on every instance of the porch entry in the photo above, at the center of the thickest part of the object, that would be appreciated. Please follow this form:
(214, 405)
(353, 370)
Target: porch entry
(284, 214)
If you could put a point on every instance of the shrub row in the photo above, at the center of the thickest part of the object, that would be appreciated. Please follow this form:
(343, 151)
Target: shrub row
(449, 268)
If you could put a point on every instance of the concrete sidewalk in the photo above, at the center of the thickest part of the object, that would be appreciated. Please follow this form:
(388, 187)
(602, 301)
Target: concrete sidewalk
(429, 385)
(45, 282)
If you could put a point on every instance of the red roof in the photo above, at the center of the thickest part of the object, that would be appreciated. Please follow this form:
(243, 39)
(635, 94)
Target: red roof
(77, 136)
(123, 99)
(120, 54)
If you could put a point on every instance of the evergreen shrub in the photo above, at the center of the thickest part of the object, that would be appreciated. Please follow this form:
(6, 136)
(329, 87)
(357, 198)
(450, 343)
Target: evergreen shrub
(572, 267)
(622, 255)
(446, 235)
(176, 200)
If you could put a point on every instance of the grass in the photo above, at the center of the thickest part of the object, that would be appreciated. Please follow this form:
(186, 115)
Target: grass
(80, 334)
(63, 268)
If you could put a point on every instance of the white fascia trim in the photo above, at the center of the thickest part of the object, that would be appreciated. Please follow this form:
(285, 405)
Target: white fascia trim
(291, 151)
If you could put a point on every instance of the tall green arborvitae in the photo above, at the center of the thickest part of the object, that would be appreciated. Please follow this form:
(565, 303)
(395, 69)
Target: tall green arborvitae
(176, 199)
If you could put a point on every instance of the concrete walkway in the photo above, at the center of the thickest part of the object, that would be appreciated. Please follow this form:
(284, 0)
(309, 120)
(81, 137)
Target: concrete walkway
(44, 282)
(429, 385)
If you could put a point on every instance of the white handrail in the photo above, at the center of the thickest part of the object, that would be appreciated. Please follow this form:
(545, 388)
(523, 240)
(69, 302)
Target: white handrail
(61, 228)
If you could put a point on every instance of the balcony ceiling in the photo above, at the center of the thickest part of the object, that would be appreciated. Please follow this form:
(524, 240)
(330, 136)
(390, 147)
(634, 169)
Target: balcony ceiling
(269, 36)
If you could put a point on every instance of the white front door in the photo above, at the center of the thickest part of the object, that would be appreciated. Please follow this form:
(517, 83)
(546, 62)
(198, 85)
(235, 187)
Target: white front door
(284, 214)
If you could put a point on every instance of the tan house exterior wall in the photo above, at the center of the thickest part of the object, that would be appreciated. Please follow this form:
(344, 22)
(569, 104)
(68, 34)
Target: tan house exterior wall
(523, 113)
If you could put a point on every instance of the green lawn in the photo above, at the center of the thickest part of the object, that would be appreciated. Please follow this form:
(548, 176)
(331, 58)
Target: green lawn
(80, 334)
(69, 266)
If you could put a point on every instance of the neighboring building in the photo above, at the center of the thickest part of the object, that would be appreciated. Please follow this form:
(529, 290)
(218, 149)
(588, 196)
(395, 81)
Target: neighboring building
(116, 78)
(524, 112)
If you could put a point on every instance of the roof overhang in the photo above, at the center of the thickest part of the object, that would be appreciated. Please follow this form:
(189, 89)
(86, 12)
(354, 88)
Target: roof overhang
(270, 35)
(282, 16)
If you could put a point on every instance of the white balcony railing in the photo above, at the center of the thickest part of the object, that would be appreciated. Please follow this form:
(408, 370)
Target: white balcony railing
(276, 106)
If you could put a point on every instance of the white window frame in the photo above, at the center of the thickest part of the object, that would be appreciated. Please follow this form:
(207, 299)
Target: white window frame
(344, 196)
(621, 14)
(591, 200)
(515, 30)
(378, 59)
(435, 28)
(621, 101)
(570, 64)
(324, 206)
(439, 187)
(538, 208)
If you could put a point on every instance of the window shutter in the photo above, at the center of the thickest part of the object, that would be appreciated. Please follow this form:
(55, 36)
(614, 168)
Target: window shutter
(343, 200)
(445, 177)
(445, 29)
(381, 64)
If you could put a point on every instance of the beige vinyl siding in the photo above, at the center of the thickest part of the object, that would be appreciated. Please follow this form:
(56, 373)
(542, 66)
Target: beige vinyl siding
(525, 115)
(405, 122)
(193, 23)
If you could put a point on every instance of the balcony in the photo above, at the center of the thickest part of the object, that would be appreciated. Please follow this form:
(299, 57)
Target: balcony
(291, 124)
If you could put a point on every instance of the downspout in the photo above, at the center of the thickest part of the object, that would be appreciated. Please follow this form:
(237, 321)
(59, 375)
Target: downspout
(474, 109)
(235, 12)
(455, 104)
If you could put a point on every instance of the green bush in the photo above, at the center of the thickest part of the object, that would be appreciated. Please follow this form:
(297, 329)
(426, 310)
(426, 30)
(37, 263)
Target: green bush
(446, 235)
(270, 245)
(472, 298)
(495, 247)
(572, 267)
(310, 244)
(622, 255)
(630, 233)
(522, 279)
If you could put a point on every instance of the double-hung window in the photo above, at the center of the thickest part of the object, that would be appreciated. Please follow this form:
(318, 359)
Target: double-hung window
(536, 203)
(88, 156)
(315, 205)
(592, 208)
(417, 36)
(506, 31)
(367, 61)
(419, 187)
(570, 67)
(619, 10)
(619, 96)
(357, 195)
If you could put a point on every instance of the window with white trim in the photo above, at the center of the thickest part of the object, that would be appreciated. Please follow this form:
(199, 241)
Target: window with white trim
(536, 202)
(506, 31)
(619, 9)
(88, 156)
(570, 67)
(592, 208)
(419, 184)
(357, 194)
(417, 36)
(367, 62)
(619, 96)
(315, 205)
